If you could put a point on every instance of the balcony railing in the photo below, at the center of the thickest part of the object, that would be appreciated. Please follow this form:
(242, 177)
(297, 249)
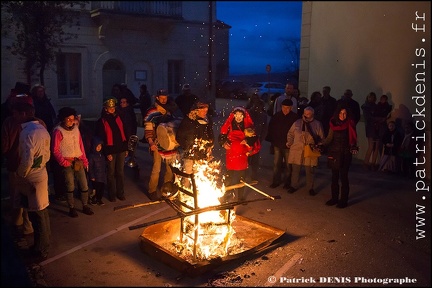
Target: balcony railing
(172, 9)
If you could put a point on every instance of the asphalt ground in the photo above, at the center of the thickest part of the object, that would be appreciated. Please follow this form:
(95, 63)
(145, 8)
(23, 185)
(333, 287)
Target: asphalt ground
(383, 236)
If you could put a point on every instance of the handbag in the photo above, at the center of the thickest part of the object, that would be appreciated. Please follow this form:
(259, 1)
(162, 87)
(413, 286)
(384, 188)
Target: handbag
(78, 164)
(309, 152)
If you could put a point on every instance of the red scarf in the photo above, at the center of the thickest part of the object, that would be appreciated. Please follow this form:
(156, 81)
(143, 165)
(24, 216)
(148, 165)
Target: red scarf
(338, 125)
(108, 130)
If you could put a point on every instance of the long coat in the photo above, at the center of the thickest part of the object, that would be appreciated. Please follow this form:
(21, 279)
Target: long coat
(34, 152)
(299, 136)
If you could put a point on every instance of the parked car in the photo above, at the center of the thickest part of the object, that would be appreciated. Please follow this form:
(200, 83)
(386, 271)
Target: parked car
(231, 89)
(266, 89)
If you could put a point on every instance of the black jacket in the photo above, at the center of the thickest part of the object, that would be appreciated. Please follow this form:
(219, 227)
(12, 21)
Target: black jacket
(278, 128)
(195, 128)
(97, 162)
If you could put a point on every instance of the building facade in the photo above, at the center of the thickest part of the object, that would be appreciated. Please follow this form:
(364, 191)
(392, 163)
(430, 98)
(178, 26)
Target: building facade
(163, 44)
(381, 47)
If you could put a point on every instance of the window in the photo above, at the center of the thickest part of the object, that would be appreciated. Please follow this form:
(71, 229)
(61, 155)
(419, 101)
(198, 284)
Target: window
(174, 76)
(69, 75)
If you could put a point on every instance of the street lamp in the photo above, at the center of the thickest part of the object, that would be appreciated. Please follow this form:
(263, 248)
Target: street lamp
(268, 69)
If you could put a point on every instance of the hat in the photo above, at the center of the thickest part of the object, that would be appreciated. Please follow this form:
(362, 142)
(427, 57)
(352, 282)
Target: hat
(199, 105)
(110, 102)
(162, 92)
(186, 87)
(21, 98)
(239, 109)
(66, 112)
(287, 102)
(22, 88)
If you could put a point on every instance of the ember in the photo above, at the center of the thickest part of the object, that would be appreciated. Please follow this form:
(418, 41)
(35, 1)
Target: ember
(209, 234)
(205, 232)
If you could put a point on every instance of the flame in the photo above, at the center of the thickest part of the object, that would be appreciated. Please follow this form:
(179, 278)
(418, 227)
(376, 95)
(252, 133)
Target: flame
(209, 234)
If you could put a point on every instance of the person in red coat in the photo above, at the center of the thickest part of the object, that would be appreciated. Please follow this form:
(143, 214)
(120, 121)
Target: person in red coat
(237, 137)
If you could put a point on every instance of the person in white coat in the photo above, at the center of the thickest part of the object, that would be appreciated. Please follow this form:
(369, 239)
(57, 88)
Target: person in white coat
(305, 131)
(34, 152)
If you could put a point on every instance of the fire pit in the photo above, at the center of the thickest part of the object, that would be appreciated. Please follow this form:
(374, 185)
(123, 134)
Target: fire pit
(157, 239)
(205, 232)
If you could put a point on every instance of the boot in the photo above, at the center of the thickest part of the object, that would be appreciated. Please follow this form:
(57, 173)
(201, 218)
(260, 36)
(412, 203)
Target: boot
(343, 202)
(335, 195)
(73, 213)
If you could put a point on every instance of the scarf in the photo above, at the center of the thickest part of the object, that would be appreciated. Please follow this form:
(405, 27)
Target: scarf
(338, 125)
(247, 120)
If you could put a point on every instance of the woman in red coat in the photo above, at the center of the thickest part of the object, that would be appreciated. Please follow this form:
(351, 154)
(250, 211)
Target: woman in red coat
(238, 138)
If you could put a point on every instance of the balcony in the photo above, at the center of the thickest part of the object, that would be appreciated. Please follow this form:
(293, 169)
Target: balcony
(164, 9)
(136, 15)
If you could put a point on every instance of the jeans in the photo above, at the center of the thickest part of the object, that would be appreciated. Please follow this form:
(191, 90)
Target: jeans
(188, 168)
(280, 154)
(115, 175)
(70, 175)
(42, 230)
(154, 176)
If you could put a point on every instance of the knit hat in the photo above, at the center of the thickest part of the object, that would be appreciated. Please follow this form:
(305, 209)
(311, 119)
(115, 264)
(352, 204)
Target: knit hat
(239, 109)
(21, 98)
(186, 87)
(22, 88)
(66, 112)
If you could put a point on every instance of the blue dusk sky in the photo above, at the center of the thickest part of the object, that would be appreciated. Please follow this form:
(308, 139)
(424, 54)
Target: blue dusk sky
(258, 31)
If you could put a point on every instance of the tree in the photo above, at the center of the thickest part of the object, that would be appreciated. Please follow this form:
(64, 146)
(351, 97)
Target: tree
(292, 45)
(38, 27)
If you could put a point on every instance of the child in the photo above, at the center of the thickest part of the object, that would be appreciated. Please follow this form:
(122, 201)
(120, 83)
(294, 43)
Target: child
(97, 171)
(237, 137)
(392, 140)
(407, 151)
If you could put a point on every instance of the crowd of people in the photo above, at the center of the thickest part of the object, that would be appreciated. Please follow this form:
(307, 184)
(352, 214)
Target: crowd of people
(37, 141)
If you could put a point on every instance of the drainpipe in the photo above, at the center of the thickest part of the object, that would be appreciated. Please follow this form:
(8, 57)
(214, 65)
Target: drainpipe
(210, 52)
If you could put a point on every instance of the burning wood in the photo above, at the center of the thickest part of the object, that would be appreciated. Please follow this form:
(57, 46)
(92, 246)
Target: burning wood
(205, 228)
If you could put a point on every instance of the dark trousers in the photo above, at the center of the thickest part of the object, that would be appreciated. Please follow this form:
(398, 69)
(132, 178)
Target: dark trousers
(42, 230)
(340, 172)
(115, 175)
(59, 179)
(280, 165)
(254, 165)
(343, 175)
(99, 188)
(234, 177)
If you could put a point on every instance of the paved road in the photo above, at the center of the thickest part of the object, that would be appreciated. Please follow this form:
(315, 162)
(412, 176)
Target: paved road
(376, 238)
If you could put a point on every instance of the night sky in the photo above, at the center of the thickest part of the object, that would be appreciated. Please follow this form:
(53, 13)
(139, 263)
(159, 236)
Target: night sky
(258, 31)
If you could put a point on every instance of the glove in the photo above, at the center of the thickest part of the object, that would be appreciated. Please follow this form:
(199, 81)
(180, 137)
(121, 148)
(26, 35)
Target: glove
(319, 147)
(354, 149)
